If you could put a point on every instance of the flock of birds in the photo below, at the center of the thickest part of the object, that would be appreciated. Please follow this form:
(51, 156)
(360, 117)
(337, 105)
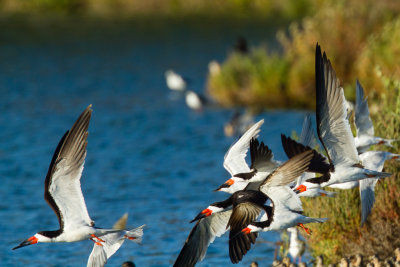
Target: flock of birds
(263, 196)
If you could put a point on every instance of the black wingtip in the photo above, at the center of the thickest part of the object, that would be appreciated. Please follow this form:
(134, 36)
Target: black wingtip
(224, 185)
(292, 148)
(198, 217)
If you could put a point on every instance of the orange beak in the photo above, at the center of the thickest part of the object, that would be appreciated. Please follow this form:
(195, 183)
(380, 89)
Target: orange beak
(246, 231)
(227, 184)
(203, 214)
(206, 212)
(300, 189)
(30, 241)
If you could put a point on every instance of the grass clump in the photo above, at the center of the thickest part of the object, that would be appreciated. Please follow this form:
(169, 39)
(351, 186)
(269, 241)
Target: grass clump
(342, 235)
(244, 79)
(357, 36)
(291, 9)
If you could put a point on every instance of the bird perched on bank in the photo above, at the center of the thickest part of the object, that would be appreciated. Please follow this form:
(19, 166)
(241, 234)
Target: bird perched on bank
(319, 261)
(297, 247)
(64, 195)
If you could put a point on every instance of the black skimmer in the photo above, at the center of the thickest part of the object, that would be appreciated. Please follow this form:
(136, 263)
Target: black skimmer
(249, 204)
(334, 130)
(243, 176)
(297, 246)
(203, 233)
(218, 217)
(175, 81)
(373, 160)
(285, 210)
(212, 222)
(64, 195)
(113, 241)
(365, 129)
(307, 139)
(235, 162)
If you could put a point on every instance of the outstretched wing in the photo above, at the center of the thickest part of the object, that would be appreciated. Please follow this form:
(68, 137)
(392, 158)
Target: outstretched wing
(98, 257)
(112, 242)
(262, 158)
(332, 125)
(288, 171)
(243, 214)
(62, 185)
(202, 234)
(372, 160)
(284, 197)
(234, 160)
(363, 121)
(293, 148)
(307, 136)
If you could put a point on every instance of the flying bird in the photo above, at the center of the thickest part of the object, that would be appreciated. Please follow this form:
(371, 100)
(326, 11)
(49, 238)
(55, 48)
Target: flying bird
(365, 129)
(334, 130)
(64, 195)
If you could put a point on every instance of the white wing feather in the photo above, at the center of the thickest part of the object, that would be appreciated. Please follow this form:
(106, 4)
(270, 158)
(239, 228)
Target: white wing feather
(373, 160)
(332, 124)
(66, 192)
(363, 121)
(113, 241)
(284, 197)
(62, 186)
(234, 160)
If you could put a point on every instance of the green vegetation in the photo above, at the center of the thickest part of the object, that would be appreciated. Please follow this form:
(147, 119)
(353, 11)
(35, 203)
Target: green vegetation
(359, 37)
(291, 9)
(342, 235)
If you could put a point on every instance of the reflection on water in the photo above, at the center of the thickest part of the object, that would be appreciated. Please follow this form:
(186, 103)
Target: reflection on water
(148, 155)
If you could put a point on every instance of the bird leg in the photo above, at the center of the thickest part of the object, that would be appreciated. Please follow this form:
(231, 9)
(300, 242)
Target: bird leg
(97, 243)
(304, 228)
(130, 237)
(98, 238)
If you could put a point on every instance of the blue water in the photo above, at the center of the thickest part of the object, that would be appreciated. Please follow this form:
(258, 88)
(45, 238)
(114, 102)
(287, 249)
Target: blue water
(148, 154)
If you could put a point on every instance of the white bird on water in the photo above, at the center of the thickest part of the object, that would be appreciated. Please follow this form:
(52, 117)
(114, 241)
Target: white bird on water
(175, 81)
(64, 195)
